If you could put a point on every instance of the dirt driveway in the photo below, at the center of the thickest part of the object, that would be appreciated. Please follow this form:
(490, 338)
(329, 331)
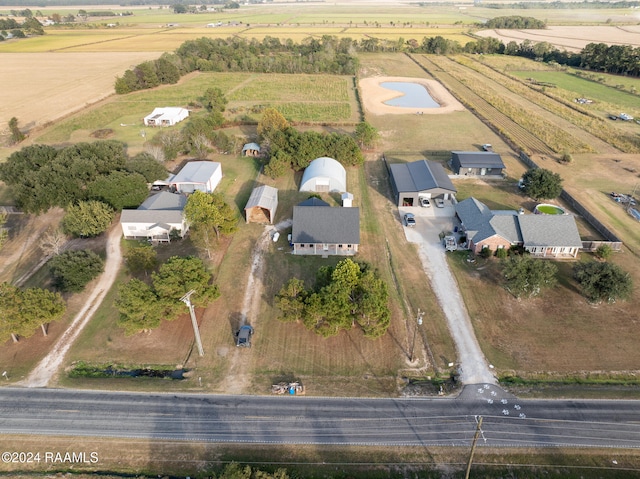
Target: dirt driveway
(429, 223)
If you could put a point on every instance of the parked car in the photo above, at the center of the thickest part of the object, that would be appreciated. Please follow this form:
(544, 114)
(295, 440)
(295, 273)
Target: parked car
(409, 220)
(487, 147)
(439, 202)
(425, 203)
(243, 336)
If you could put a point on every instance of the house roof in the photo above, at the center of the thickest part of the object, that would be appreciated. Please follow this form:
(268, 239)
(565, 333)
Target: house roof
(550, 230)
(531, 230)
(251, 146)
(151, 216)
(478, 159)
(322, 224)
(420, 175)
(313, 201)
(263, 196)
(164, 201)
(196, 172)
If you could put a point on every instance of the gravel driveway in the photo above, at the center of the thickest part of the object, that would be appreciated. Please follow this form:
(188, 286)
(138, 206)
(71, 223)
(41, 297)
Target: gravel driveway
(429, 223)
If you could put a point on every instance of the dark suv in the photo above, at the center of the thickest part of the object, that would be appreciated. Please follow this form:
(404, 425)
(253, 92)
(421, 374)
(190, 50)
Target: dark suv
(243, 336)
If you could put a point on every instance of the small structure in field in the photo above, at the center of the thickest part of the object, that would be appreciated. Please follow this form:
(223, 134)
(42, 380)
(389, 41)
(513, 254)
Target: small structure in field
(262, 205)
(197, 176)
(251, 149)
(324, 175)
(347, 200)
(166, 116)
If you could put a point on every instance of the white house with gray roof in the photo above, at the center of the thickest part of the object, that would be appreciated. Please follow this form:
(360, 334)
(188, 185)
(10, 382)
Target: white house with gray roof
(554, 236)
(319, 229)
(419, 179)
(156, 218)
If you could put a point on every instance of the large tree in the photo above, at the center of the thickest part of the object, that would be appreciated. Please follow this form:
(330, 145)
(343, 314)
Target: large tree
(16, 134)
(603, 281)
(527, 276)
(349, 293)
(139, 307)
(141, 258)
(209, 210)
(213, 99)
(541, 184)
(87, 219)
(23, 311)
(119, 189)
(72, 270)
(272, 121)
(366, 135)
(146, 165)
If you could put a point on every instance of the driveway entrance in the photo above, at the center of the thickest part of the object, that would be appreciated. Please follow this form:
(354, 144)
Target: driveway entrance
(429, 223)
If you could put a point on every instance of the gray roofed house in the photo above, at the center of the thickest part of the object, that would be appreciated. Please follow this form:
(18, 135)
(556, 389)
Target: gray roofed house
(164, 201)
(542, 235)
(154, 225)
(323, 230)
(262, 205)
(476, 163)
(422, 178)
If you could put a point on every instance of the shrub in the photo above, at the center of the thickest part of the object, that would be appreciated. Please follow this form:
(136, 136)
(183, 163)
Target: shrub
(72, 270)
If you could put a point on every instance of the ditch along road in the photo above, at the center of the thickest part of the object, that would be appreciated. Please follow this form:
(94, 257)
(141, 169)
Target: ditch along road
(473, 367)
(51, 363)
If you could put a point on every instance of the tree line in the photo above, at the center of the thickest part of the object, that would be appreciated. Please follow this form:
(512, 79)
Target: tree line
(42, 176)
(30, 26)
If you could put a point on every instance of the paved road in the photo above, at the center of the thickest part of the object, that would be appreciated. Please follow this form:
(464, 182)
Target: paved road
(306, 420)
(429, 223)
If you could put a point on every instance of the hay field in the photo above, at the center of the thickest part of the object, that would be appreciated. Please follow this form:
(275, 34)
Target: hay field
(571, 38)
(39, 88)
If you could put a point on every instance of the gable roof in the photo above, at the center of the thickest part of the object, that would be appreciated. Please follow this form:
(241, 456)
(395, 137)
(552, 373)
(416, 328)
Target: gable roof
(164, 201)
(550, 230)
(322, 224)
(420, 175)
(251, 146)
(313, 201)
(196, 172)
(478, 159)
(263, 196)
(151, 216)
(531, 230)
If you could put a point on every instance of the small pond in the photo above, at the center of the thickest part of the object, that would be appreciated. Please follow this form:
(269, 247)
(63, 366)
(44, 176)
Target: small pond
(415, 95)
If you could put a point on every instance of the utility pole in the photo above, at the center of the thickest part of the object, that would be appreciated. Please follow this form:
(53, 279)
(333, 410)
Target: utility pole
(415, 332)
(473, 446)
(186, 299)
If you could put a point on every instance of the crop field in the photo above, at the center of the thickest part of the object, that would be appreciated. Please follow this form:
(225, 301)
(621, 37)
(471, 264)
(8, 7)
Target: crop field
(301, 98)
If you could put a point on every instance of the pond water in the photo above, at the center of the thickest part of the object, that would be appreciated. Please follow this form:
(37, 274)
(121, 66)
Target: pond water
(415, 95)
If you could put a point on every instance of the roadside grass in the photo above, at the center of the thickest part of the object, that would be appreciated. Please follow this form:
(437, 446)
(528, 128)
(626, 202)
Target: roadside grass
(200, 459)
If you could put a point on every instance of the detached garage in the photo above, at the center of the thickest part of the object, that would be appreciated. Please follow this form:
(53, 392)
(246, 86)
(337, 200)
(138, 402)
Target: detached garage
(197, 176)
(324, 175)
(420, 179)
(476, 163)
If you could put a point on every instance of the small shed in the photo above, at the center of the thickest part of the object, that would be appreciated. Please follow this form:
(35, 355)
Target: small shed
(262, 205)
(347, 200)
(251, 149)
(476, 163)
(166, 116)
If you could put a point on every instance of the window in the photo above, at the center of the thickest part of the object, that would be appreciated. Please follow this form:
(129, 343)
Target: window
(340, 246)
(349, 246)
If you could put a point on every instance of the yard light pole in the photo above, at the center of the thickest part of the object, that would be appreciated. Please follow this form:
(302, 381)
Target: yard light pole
(186, 299)
(415, 332)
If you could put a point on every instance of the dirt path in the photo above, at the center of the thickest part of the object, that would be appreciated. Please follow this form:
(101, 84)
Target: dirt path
(473, 365)
(51, 363)
(237, 379)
